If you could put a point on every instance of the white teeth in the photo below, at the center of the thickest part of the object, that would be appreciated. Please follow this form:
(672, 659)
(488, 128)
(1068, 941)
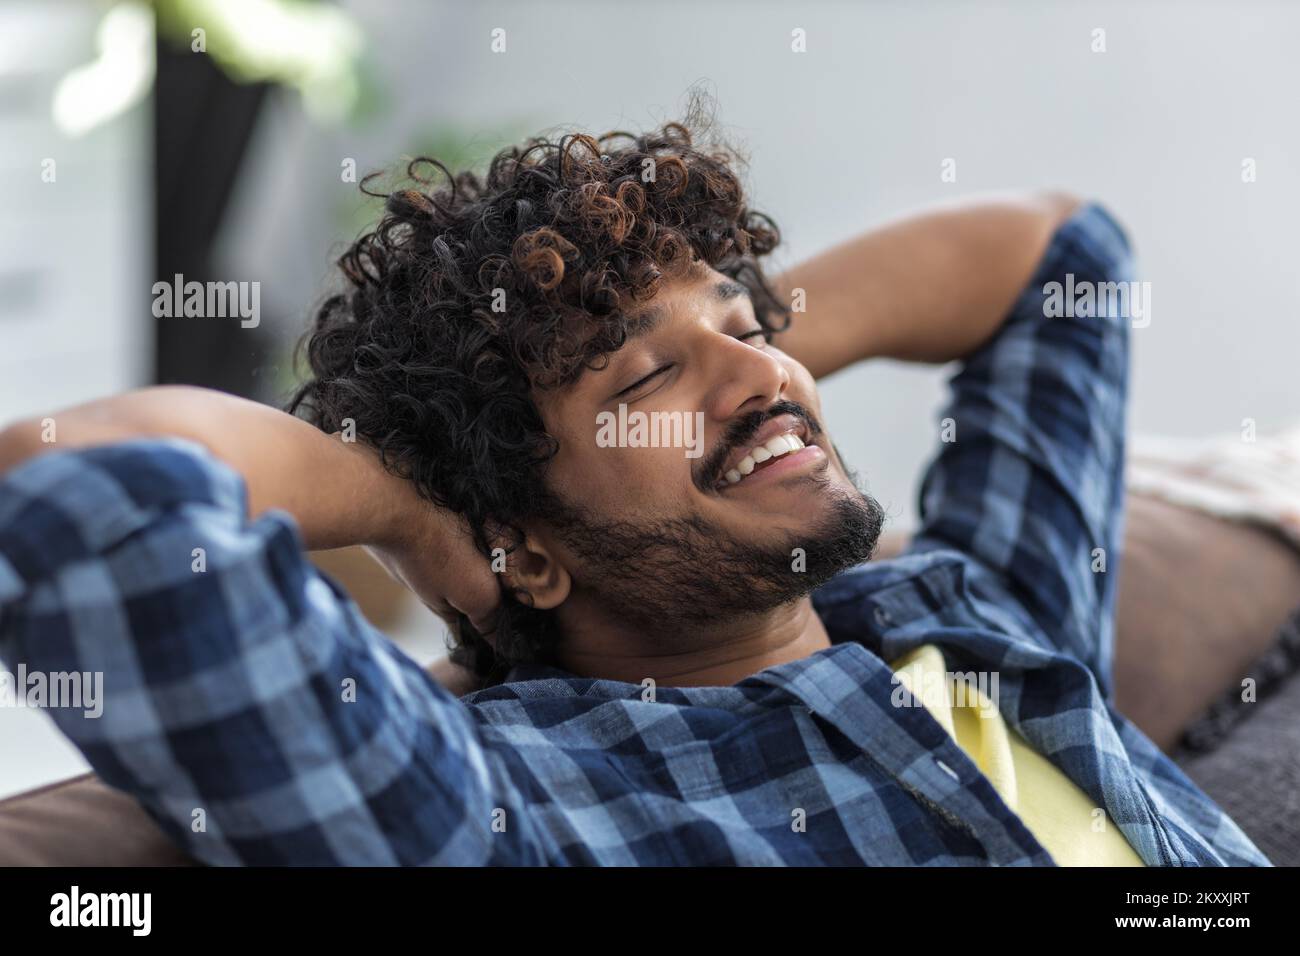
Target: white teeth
(772, 448)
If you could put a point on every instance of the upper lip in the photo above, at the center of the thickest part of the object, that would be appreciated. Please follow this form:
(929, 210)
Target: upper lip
(785, 424)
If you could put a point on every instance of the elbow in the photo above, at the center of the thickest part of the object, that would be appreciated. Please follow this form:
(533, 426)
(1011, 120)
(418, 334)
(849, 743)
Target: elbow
(19, 442)
(1056, 205)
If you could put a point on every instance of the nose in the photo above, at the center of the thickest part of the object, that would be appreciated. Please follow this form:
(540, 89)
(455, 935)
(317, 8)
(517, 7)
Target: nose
(745, 379)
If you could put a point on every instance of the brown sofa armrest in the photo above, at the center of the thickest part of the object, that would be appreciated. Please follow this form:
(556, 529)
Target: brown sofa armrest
(81, 822)
(1200, 600)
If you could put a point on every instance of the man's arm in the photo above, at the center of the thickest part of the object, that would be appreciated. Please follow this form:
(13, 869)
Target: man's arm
(931, 287)
(234, 687)
(1029, 483)
(337, 491)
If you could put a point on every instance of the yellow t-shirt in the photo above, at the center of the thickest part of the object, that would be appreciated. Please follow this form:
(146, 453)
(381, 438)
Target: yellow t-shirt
(1052, 807)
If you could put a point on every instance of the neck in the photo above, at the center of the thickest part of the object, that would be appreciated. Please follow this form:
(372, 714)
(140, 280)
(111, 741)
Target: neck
(719, 655)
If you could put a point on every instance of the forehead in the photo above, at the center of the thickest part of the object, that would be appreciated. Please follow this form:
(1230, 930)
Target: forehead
(702, 281)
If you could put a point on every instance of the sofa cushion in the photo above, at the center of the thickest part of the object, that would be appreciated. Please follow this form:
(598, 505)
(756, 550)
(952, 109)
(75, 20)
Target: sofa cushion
(1254, 773)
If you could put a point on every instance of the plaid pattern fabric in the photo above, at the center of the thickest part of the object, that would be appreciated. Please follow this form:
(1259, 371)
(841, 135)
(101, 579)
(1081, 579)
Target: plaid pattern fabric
(259, 719)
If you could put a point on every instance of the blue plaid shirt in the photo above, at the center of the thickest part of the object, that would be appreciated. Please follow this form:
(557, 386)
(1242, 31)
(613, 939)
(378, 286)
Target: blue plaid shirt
(251, 689)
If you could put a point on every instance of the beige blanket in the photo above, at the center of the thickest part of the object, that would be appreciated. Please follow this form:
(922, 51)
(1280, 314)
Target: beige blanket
(1247, 477)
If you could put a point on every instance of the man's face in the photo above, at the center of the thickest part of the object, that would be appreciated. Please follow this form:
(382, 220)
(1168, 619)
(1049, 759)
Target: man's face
(744, 506)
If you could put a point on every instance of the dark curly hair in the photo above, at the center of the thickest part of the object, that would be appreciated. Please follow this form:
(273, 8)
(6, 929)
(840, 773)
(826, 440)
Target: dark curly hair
(471, 293)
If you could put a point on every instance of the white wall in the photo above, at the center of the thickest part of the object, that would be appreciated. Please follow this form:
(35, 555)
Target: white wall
(75, 247)
(75, 258)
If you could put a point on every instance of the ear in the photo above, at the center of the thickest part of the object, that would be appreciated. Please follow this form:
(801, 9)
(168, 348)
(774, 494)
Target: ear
(535, 568)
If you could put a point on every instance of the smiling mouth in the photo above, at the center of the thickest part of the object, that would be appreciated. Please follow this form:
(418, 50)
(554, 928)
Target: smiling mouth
(781, 440)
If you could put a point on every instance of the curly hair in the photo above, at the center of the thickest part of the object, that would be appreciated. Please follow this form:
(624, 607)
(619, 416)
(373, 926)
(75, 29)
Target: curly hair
(472, 293)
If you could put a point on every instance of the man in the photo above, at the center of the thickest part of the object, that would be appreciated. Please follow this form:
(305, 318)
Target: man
(659, 682)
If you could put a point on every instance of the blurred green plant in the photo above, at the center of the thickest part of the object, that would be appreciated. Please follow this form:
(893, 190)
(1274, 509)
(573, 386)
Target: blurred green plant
(314, 48)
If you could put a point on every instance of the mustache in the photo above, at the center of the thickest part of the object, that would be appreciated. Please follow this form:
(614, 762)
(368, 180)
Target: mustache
(741, 431)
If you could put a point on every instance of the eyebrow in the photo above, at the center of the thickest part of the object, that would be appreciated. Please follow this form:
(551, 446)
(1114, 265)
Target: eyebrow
(647, 319)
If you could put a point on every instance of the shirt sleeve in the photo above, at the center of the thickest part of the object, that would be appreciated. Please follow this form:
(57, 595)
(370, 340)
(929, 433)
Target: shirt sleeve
(246, 703)
(1028, 482)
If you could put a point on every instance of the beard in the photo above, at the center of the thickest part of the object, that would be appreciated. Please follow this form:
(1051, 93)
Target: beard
(684, 573)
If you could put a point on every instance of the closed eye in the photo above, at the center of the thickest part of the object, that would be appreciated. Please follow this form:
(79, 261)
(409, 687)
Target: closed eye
(743, 337)
(641, 381)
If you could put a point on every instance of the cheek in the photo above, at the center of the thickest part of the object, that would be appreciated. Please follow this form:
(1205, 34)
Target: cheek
(809, 399)
(804, 385)
(649, 474)
(623, 480)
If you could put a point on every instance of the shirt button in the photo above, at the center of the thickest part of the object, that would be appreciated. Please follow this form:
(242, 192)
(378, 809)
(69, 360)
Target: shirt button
(948, 770)
(882, 617)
